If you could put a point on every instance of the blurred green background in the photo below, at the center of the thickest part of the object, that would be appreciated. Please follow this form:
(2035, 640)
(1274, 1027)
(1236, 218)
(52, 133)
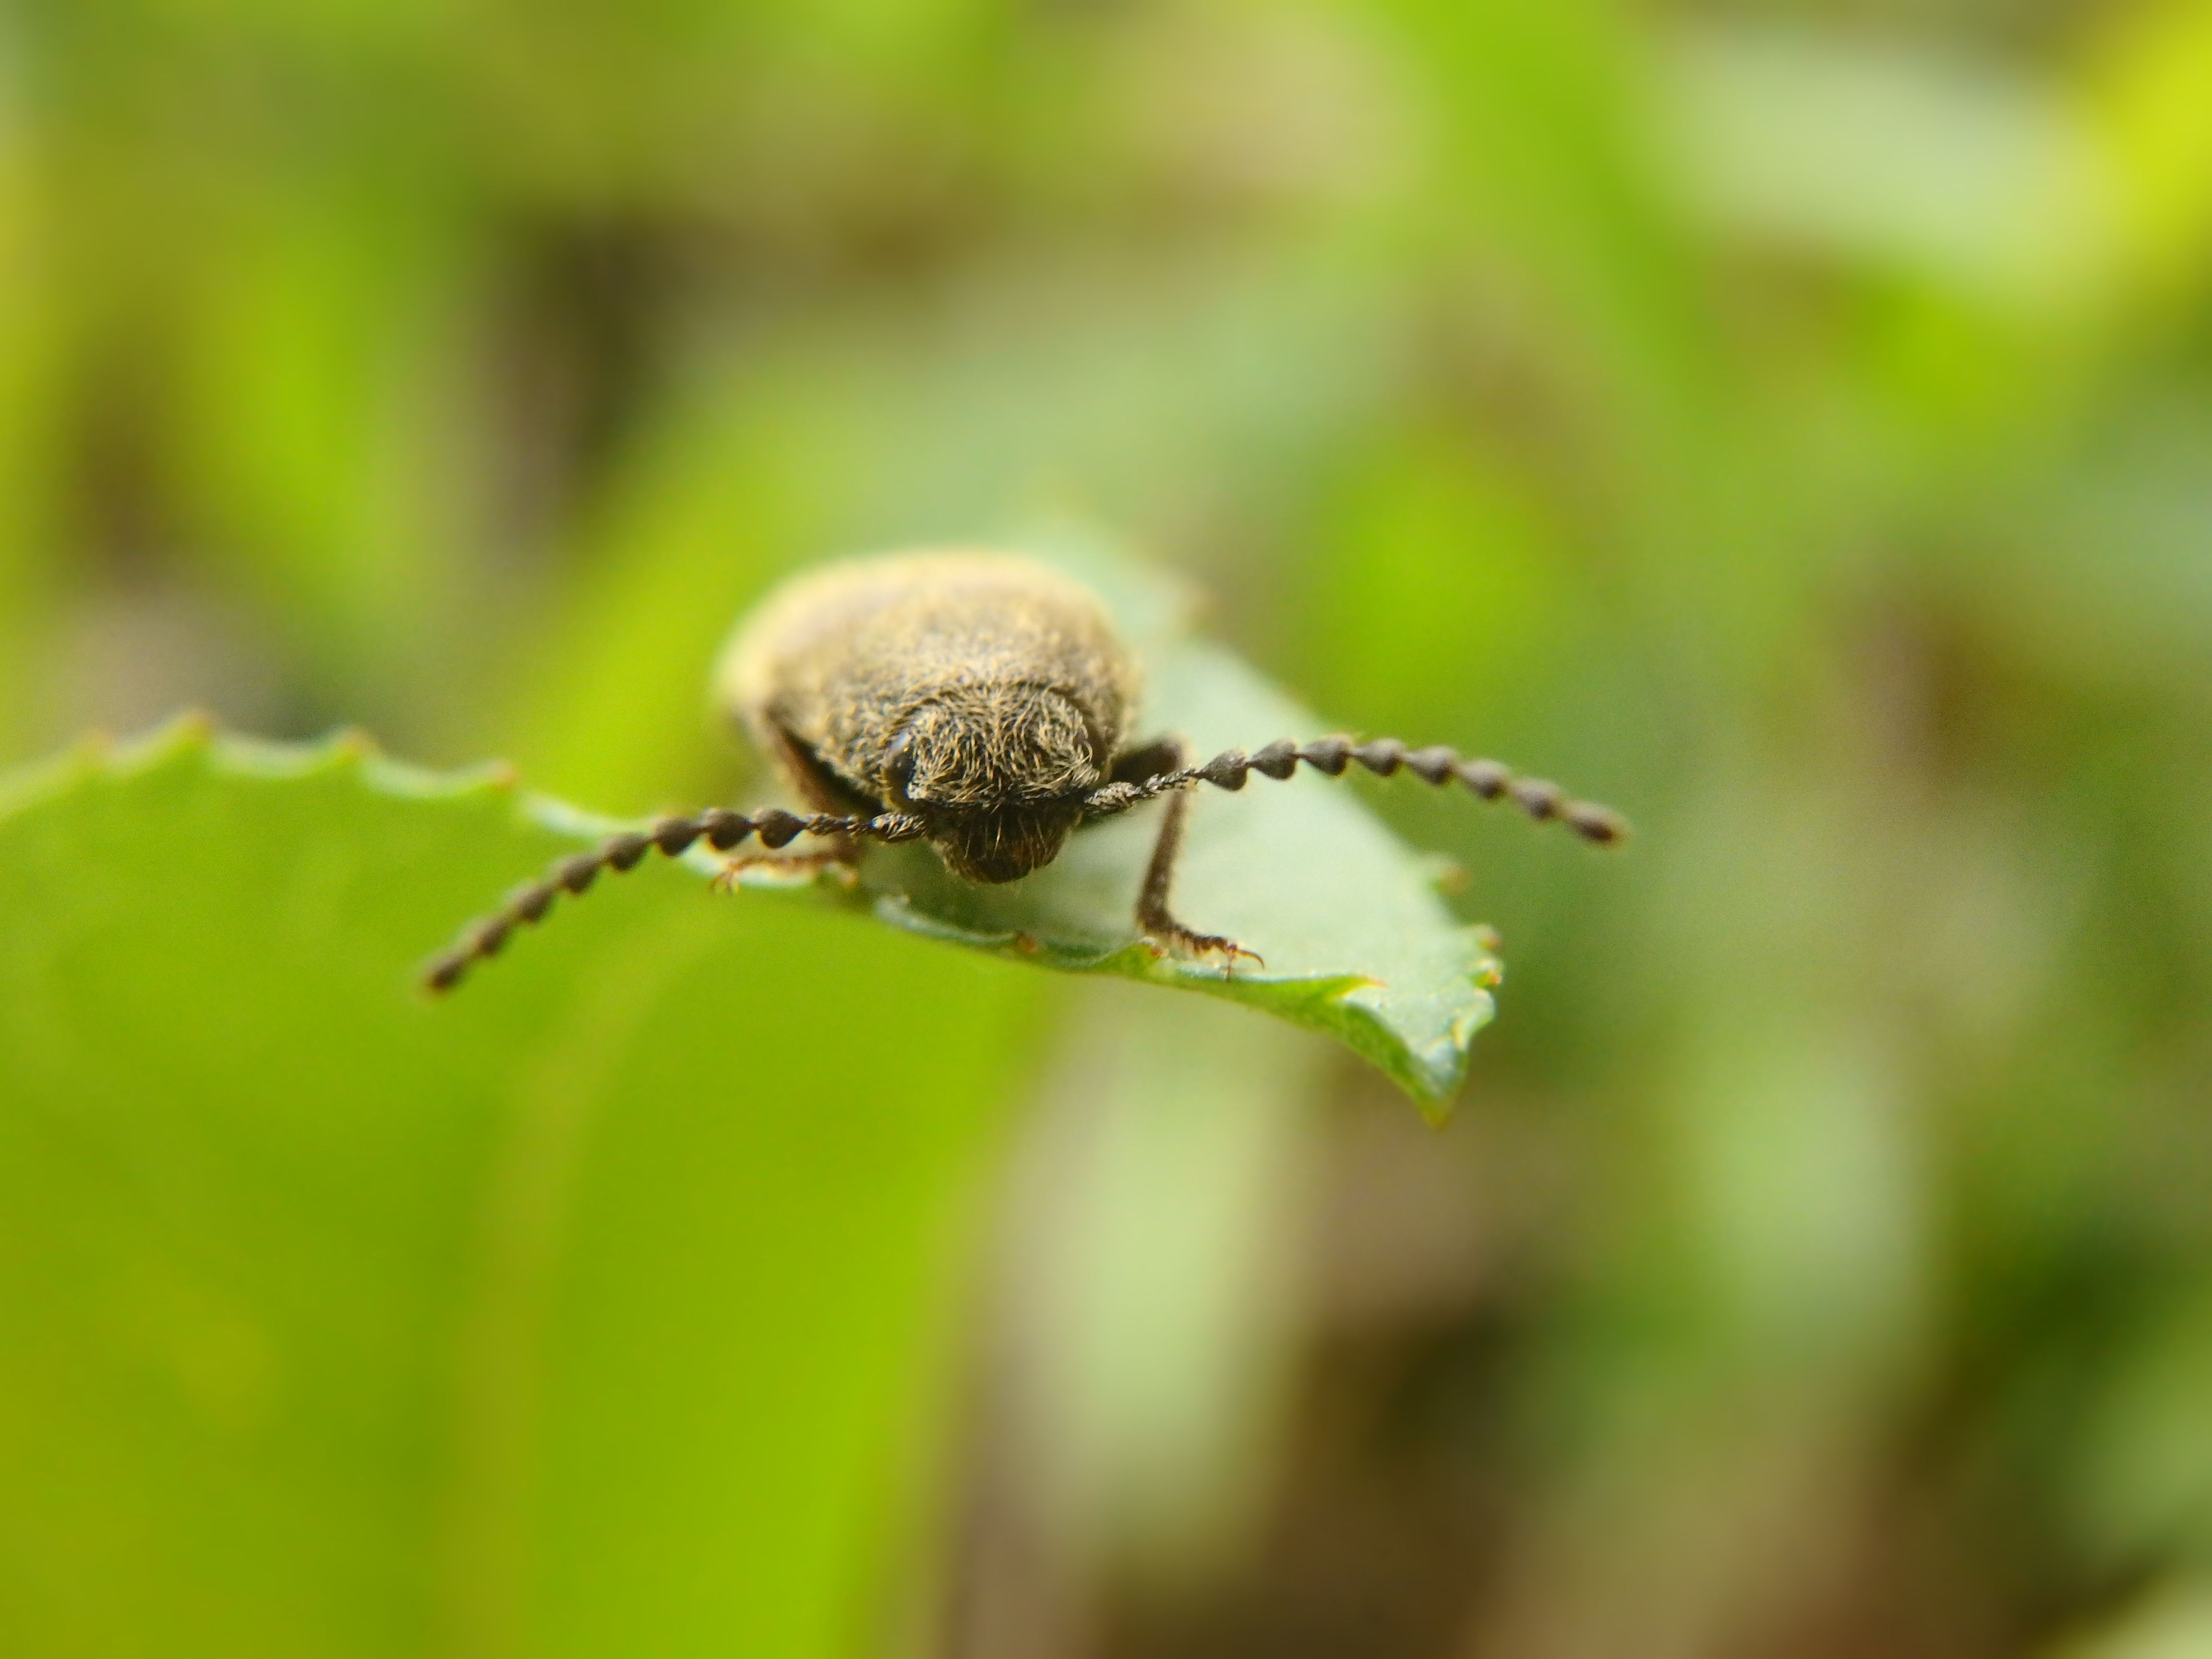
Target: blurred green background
(1790, 420)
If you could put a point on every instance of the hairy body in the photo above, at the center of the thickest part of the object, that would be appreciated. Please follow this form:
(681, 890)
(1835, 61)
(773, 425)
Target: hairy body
(980, 702)
(985, 694)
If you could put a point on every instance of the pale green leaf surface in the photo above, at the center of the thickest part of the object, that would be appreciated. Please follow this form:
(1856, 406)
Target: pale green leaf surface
(1355, 940)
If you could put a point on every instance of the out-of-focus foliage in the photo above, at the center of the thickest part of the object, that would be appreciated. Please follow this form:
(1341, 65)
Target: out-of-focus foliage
(1792, 423)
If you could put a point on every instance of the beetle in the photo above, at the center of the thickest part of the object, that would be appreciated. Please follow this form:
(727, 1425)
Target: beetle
(981, 702)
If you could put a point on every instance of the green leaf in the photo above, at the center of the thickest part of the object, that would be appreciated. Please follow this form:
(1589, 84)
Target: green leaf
(604, 1309)
(604, 1305)
(1356, 942)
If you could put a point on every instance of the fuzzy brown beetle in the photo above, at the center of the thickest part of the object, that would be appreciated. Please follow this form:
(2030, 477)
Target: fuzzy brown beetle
(980, 702)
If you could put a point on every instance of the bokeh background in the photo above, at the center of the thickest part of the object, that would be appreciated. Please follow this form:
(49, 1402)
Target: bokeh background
(1790, 420)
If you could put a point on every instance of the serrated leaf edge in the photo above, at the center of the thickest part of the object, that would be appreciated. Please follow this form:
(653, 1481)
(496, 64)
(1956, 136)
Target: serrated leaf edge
(1329, 1003)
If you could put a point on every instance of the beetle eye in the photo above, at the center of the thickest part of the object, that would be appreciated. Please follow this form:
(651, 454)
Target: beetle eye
(898, 767)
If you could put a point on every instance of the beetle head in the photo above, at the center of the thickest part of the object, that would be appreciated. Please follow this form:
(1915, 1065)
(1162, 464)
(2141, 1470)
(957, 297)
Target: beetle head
(992, 847)
(998, 773)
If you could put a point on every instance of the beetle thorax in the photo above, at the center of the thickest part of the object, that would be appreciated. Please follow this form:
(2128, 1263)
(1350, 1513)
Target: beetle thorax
(999, 772)
(995, 745)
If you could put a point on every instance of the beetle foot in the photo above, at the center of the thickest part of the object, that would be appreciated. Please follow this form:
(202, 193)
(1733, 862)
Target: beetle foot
(1190, 943)
(793, 863)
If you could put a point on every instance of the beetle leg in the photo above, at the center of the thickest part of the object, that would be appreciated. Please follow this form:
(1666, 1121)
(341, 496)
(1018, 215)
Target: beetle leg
(843, 857)
(1153, 916)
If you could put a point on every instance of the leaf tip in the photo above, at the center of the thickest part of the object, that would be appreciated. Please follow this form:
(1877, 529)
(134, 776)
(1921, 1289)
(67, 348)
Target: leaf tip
(1436, 1111)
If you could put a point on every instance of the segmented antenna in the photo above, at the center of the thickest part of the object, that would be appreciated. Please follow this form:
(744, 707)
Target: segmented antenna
(1543, 801)
(719, 827)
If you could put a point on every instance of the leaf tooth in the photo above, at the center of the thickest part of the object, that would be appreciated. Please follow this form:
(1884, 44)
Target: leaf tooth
(350, 745)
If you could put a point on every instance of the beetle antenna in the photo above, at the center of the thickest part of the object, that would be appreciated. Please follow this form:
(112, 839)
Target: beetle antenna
(1543, 801)
(718, 826)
